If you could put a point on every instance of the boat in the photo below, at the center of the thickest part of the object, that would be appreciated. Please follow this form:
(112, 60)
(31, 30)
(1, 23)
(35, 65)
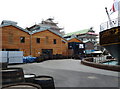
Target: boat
(110, 37)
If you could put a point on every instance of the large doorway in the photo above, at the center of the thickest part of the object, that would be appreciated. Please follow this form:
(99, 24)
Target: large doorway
(48, 53)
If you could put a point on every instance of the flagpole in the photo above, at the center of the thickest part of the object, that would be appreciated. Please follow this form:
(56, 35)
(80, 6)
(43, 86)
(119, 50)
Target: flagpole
(118, 13)
(108, 17)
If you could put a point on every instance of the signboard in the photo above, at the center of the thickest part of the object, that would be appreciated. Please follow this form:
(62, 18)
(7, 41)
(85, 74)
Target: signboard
(81, 46)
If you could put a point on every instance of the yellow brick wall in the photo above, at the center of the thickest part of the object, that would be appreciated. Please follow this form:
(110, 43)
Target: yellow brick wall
(30, 41)
(15, 44)
(58, 48)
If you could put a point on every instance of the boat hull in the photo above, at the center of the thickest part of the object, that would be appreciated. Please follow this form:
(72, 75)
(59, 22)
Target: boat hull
(114, 50)
(110, 39)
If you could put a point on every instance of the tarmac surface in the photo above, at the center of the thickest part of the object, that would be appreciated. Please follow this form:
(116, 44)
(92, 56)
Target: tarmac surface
(71, 73)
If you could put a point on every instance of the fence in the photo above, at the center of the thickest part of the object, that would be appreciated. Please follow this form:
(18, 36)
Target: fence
(11, 56)
(3, 56)
(99, 59)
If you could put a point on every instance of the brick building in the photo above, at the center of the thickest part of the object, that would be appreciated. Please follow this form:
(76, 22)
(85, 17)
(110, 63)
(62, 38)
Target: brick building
(14, 38)
(35, 43)
(46, 41)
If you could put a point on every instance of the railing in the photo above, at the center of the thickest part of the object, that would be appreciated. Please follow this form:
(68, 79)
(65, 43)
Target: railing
(90, 62)
(99, 59)
(110, 24)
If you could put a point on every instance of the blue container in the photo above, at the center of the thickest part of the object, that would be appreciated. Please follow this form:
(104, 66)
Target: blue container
(29, 59)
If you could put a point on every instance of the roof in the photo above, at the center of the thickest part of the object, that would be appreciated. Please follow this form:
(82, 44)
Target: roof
(46, 28)
(68, 39)
(51, 26)
(40, 29)
(11, 23)
(72, 37)
(79, 32)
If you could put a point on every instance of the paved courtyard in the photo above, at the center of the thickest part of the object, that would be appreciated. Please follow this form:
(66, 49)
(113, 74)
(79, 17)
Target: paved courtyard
(71, 73)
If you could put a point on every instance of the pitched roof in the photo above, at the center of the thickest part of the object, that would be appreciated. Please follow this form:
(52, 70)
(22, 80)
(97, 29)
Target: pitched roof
(68, 39)
(40, 29)
(11, 23)
(46, 28)
(79, 32)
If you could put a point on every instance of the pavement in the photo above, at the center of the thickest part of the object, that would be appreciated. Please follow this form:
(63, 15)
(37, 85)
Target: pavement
(71, 73)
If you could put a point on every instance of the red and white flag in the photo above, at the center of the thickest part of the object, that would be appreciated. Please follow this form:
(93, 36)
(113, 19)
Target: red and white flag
(115, 6)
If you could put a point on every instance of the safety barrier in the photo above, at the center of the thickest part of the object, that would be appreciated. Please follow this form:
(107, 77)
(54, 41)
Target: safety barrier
(89, 62)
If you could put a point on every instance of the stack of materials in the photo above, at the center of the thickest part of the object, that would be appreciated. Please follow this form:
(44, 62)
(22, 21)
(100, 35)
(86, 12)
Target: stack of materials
(11, 57)
(3, 59)
(13, 78)
(15, 56)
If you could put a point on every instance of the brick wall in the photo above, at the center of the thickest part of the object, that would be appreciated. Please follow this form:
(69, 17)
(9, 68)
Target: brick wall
(11, 39)
(47, 42)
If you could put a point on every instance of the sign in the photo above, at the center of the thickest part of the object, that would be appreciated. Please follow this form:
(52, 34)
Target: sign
(81, 46)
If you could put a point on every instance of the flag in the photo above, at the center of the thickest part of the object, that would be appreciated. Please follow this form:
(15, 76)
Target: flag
(115, 6)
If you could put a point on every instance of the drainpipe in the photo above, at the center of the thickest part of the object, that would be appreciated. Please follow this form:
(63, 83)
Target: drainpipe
(30, 44)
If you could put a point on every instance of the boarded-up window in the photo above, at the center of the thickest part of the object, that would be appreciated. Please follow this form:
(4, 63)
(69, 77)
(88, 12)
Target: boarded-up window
(22, 39)
(10, 38)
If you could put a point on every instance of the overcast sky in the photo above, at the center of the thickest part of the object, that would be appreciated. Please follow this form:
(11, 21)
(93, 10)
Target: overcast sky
(73, 15)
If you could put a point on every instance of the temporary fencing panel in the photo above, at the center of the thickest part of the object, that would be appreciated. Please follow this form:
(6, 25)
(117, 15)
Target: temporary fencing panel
(3, 56)
(11, 56)
(15, 56)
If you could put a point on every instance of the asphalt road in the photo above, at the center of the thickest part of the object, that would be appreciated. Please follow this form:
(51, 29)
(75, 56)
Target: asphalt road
(70, 73)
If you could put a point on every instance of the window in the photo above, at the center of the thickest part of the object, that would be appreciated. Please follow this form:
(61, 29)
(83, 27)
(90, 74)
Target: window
(22, 39)
(54, 41)
(37, 40)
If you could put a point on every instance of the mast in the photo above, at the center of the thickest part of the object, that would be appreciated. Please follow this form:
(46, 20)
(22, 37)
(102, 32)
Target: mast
(110, 22)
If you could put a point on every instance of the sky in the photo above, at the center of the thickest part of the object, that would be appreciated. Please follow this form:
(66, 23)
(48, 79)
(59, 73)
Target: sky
(72, 15)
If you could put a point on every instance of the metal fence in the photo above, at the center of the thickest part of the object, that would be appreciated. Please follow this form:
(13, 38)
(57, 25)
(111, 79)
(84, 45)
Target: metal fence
(110, 24)
(99, 59)
(11, 56)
